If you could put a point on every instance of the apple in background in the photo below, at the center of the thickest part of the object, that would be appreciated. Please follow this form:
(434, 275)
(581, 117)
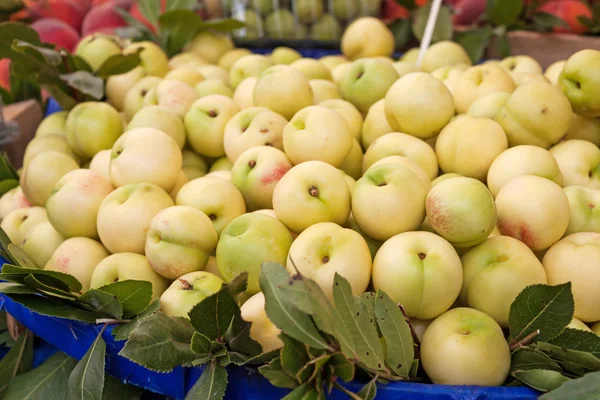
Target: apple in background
(373, 244)
(117, 86)
(534, 210)
(400, 144)
(444, 177)
(312, 69)
(367, 37)
(375, 124)
(309, 193)
(182, 179)
(444, 53)
(214, 72)
(205, 124)
(12, 200)
(186, 74)
(585, 129)
(462, 211)
(215, 197)
(125, 215)
(127, 266)
(96, 49)
(50, 142)
(579, 162)
(366, 82)
(134, 99)
(93, 126)
(42, 173)
(187, 291)
(410, 56)
(255, 126)
(19, 223)
(349, 180)
(213, 86)
(210, 46)
(519, 161)
(256, 173)
(479, 81)
(467, 12)
(100, 164)
(56, 32)
(180, 240)
(495, 272)
(339, 73)
(489, 105)
(352, 165)
(450, 74)
(73, 205)
(281, 24)
(317, 133)
(585, 207)
(569, 11)
(405, 68)
(249, 241)
(419, 270)
(262, 329)
(522, 78)
(323, 90)
(193, 165)
(283, 89)
(221, 164)
(387, 200)
(160, 118)
(537, 114)
(579, 81)
(469, 145)
(308, 11)
(186, 59)
(552, 73)
(41, 242)
(407, 162)
(577, 324)
(518, 64)
(325, 249)
(78, 257)
(55, 123)
(284, 55)
(231, 56)
(247, 66)
(333, 61)
(154, 61)
(243, 96)
(344, 10)
(465, 347)
(145, 155)
(174, 95)
(576, 259)
(419, 104)
(595, 327)
(352, 116)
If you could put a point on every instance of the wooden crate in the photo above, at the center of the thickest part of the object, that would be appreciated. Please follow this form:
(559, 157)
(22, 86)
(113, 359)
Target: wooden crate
(28, 115)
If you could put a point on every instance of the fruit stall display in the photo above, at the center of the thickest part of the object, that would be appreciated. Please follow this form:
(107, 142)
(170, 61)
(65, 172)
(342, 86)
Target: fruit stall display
(204, 221)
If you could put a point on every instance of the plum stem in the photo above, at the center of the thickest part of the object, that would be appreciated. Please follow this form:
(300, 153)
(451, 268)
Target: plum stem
(112, 321)
(410, 325)
(525, 341)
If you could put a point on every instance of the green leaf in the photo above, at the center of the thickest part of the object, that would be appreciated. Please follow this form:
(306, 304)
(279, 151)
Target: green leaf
(397, 334)
(203, 345)
(87, 378)
(118, 64)
(86, 83)
(16, 30)
(546, 21)
(241, 359)
(414, 368)
(181, 4)
(211, 384)
(584, 388)
(160, 343)
(573, 361)
(72, 283)
(303, 392)
(7, 171)
(213, 315)
(443, 26)
(53, 307)
(316, 365)
(49, 285)
(402, 31)
(16, 288)
(369, 391)
(7, 184)
(342, 368)
(543, 380)
(544, 307)
(22, 258)
(102, 303)
(289, 319)
(15, 361)
(134, 296)
(178, 27)
(408, 4)
(576, 339)
(116, 390)
(48, 381)
(293, 357)
(366, 346)
(276, 375)
(525, 358)
(50, 56)
(237, 335)
(504, 12)
(123, 331)
(475, 42)
(150, 9)
(502, 44)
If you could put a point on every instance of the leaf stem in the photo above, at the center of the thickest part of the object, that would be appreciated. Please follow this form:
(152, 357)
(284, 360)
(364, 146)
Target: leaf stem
(112, 321)
(410, 325)
(350, 394)
(525, 341)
